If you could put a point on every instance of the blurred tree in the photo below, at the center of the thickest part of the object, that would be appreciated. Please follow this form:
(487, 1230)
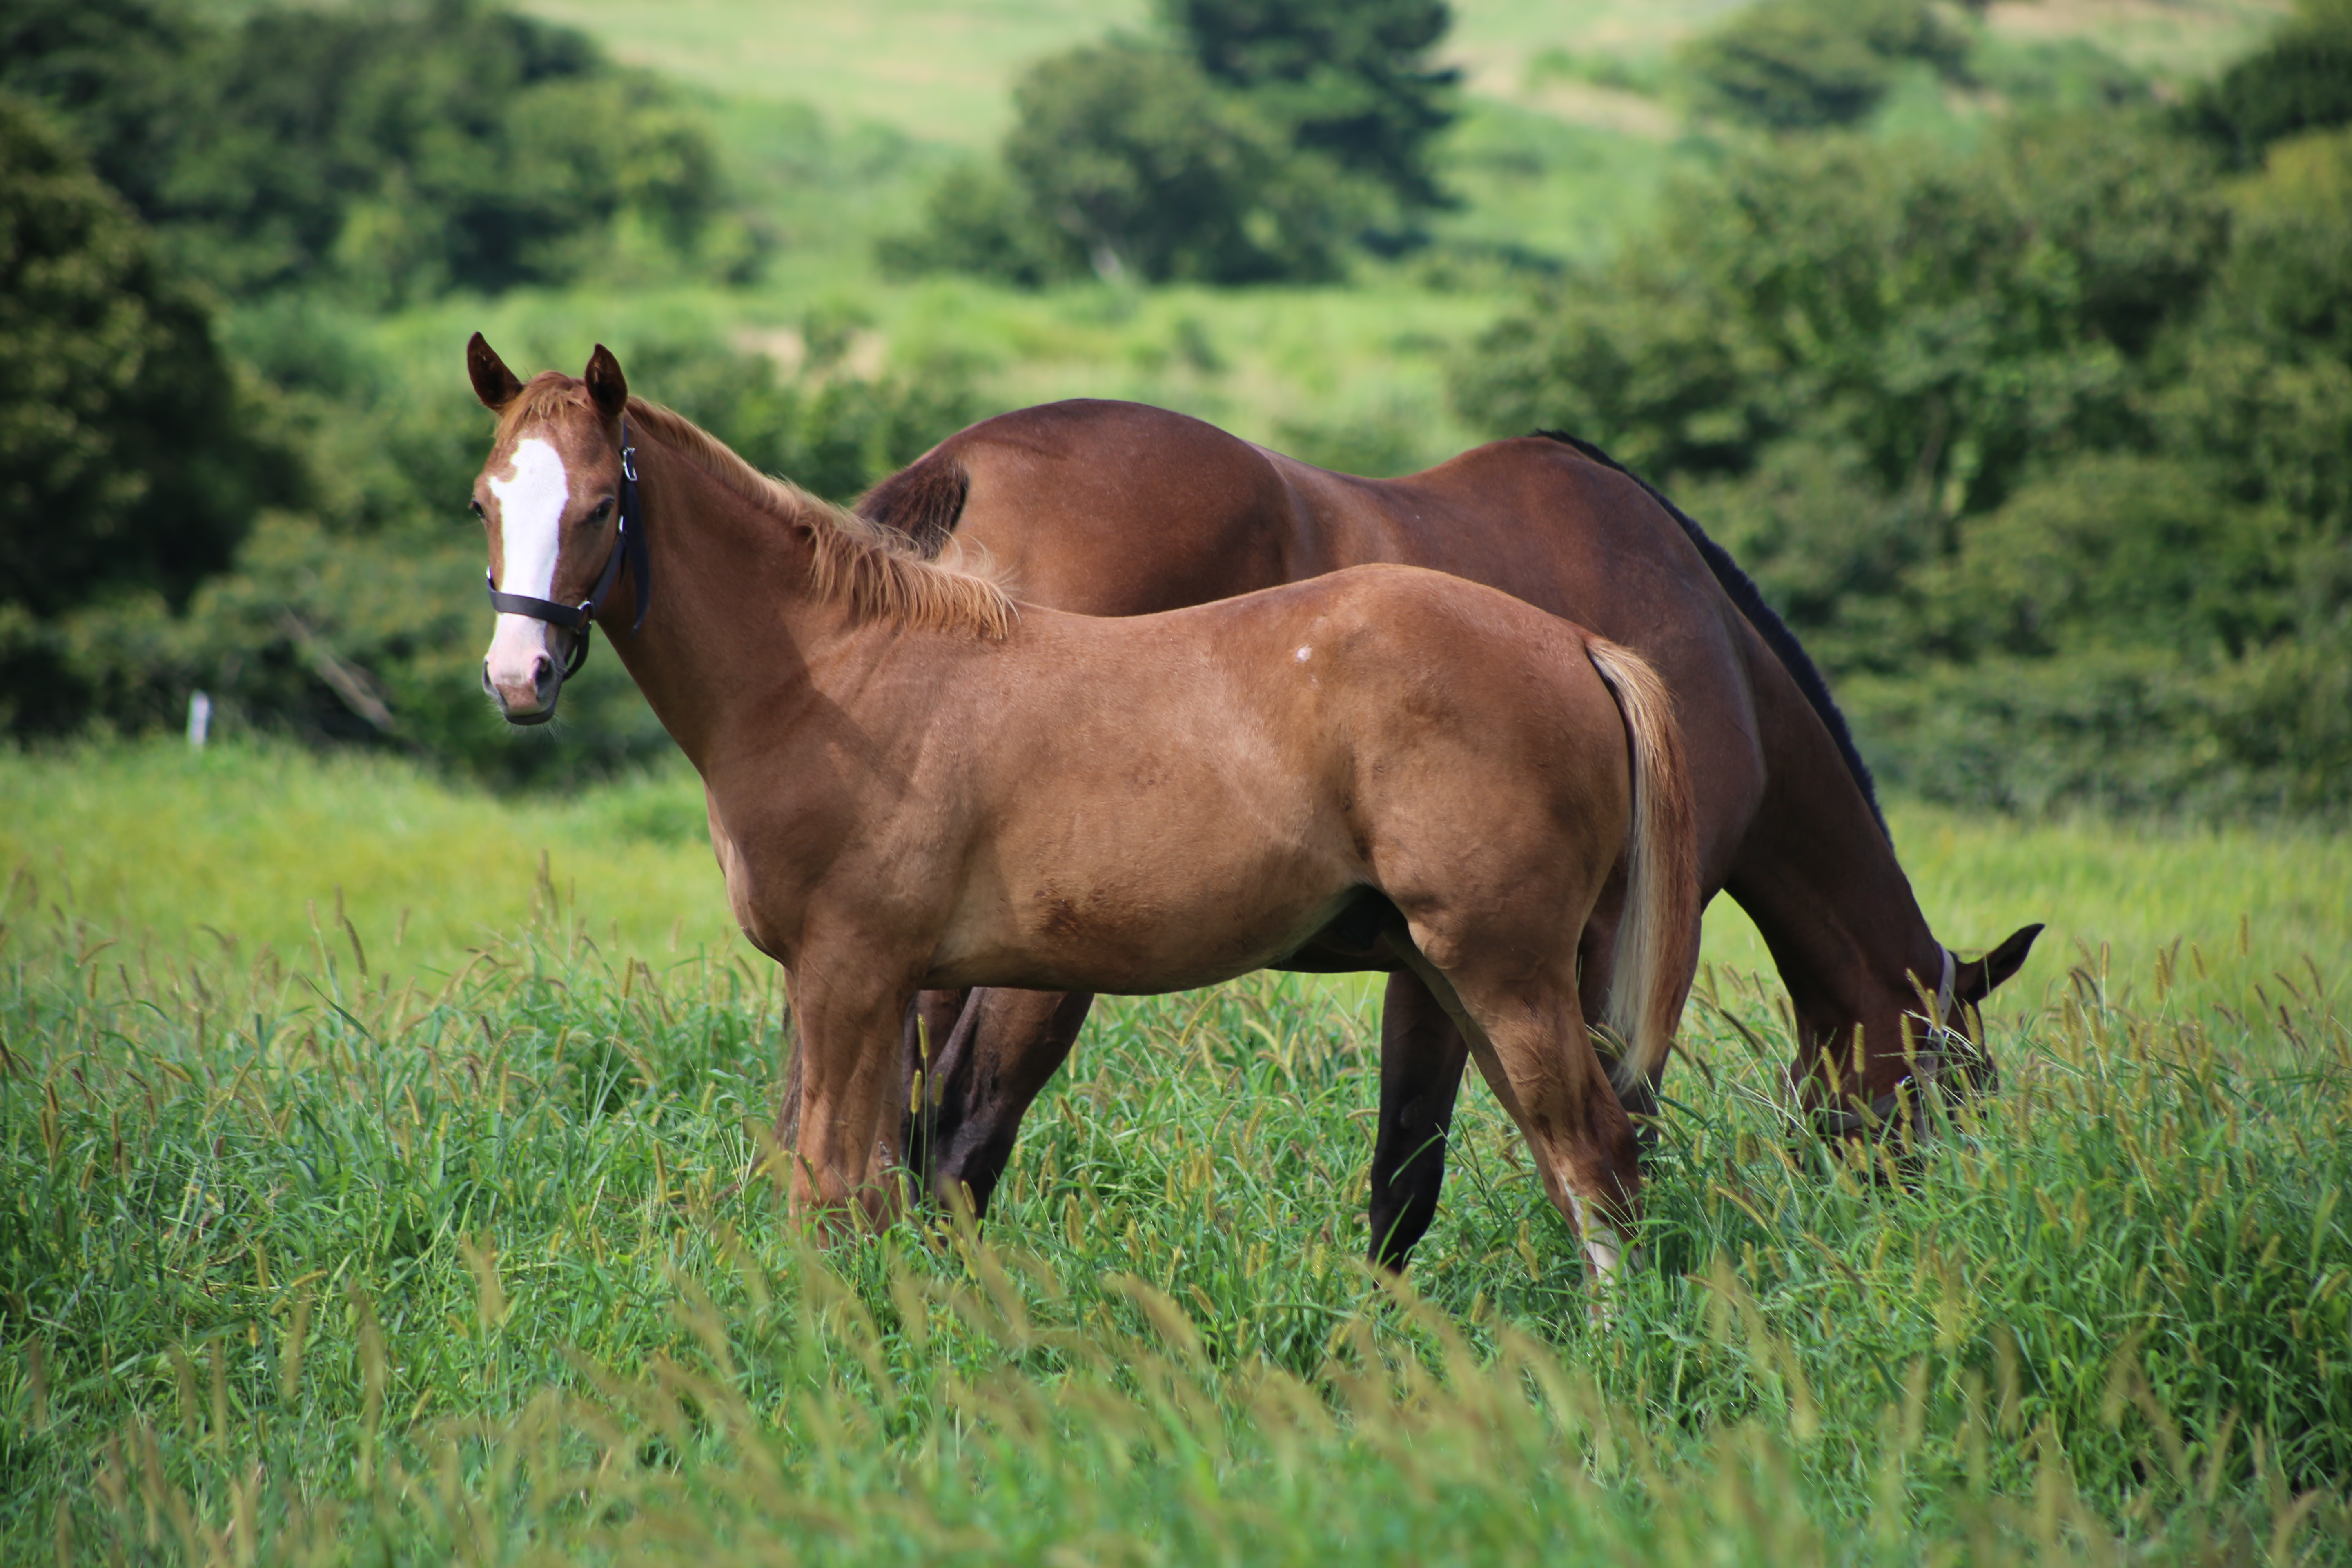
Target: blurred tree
(2047, 451)
(118, 74)
(1939, 323)
(126, 460)
(1261, 142)
(1798, 65)
(1351, 79)
(397, 151)
(977, 219)
(2302, 80)
(1132, 154)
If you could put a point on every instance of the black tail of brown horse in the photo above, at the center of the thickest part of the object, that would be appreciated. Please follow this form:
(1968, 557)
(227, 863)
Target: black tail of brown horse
(1657, 941)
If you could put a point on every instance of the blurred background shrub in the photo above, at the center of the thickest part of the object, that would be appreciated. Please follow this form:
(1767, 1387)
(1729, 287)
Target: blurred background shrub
(2042, 449)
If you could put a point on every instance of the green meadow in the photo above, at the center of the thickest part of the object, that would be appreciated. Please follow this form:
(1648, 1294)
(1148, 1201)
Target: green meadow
(272, 844)
(380, 1177)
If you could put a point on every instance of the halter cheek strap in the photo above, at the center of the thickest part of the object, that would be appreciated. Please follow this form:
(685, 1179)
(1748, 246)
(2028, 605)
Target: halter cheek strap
(628, 547)
(1941, 1029)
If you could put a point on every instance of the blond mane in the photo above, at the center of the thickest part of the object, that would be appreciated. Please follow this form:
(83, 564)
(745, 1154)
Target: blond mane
(872, 571)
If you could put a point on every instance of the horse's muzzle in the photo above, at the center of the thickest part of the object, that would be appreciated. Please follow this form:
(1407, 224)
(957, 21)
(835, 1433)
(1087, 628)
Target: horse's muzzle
(533, 702)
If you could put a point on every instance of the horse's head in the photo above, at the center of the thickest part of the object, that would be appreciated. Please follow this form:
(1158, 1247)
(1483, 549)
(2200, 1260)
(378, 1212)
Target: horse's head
(557, 499)
(1949, 1025)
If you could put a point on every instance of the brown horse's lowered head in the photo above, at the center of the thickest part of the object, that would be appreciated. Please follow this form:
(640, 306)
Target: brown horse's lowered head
(549, 498)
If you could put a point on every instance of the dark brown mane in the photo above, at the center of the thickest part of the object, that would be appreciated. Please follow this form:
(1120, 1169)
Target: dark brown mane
(874, 570)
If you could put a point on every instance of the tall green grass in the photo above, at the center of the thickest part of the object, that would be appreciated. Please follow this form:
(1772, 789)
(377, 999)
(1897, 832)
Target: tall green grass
(156, 844)
(255, 848)
(471, 1261)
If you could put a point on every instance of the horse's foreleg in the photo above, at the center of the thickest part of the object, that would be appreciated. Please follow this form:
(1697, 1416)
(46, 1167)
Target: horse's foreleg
(998, 1058)
(1421, 1053)
(842, 1168)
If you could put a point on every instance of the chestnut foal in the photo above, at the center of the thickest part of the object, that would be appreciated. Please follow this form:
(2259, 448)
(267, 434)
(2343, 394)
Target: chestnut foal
(912, 783)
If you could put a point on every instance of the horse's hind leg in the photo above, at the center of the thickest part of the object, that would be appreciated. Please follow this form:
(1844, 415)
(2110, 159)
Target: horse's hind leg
(938, 1031)
(986, 1071)
(1529, 1037)
(1421, 1053)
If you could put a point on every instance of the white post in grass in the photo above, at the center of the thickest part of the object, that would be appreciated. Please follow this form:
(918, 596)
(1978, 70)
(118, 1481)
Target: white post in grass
(199, 719)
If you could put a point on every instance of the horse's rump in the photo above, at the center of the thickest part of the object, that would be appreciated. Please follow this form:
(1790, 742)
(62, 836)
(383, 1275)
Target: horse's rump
(924, 500)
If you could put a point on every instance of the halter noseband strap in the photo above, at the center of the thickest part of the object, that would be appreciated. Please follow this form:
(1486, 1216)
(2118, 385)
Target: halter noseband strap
(1935, 1048)
(1929, 1058)
(628, 546)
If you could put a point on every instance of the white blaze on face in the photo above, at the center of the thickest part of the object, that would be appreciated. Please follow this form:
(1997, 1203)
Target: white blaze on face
(531, 521)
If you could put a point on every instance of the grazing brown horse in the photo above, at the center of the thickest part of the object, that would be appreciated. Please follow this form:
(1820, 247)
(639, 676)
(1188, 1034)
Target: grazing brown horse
(914, 784)
(1114, 508)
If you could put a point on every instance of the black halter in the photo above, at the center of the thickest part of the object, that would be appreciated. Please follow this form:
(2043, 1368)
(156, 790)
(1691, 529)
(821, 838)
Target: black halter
(628, 545)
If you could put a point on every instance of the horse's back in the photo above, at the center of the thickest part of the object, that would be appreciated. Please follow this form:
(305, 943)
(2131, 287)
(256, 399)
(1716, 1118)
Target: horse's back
(1117, 508)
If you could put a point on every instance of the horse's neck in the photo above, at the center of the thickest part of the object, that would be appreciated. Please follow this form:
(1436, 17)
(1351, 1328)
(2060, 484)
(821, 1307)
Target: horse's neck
(1820, 879)
(733, 624)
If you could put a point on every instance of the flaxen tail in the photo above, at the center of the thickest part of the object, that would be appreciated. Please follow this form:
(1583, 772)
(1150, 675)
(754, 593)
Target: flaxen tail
(1657, 941)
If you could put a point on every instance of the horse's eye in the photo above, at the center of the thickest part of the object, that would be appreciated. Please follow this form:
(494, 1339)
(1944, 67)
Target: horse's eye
(603, 509)
(476, 508)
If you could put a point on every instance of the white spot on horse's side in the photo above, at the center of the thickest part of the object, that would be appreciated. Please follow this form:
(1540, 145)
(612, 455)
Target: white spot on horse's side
(531, 518)
(1303, 653)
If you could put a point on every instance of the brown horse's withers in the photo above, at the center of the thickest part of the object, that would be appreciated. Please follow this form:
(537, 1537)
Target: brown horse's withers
(912, 784)
(1114, 508)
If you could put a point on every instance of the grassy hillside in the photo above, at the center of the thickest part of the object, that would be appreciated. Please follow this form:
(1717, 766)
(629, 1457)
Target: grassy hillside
(939, 70)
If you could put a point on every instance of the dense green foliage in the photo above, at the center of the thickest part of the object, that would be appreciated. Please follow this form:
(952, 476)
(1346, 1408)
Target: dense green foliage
(397, 151)
(282, 538)
(2301, 80)
(306, 1255)
(2042, 447)
(373, 154)
(1793, 65)
(1138, 164)
(1258, 140)
(1348, 78)
(125, 468)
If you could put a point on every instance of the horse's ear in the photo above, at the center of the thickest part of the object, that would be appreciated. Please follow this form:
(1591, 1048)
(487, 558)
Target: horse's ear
(605, 382)
(494, 383)
(1977, 980)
